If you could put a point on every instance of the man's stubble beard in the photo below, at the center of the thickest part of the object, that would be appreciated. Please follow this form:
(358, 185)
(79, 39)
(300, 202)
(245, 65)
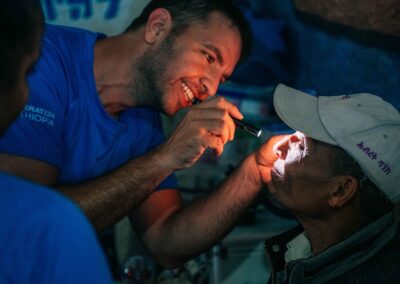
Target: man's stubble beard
(152, 75)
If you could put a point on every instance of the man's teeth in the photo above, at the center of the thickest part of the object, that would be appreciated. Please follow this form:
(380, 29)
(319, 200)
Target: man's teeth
(188, 93)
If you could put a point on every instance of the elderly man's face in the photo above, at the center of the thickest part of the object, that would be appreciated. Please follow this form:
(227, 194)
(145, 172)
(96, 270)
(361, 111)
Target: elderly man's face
(300, 177)
(14, 100)
(191, 65)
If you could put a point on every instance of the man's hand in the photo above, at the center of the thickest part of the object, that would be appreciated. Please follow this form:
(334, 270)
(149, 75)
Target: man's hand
(206, 125)
(266, 156)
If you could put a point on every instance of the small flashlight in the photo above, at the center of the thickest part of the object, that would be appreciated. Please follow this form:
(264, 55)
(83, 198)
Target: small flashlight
(239, 123)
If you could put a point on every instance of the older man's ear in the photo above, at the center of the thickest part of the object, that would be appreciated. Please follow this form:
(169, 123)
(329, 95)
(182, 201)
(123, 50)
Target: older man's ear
(344, 191)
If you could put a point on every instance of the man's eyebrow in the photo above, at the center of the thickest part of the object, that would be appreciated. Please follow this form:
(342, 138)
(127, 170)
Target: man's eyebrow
(217, 51)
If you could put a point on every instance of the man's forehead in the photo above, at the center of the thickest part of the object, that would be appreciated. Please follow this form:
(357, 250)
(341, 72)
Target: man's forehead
(221, 32)
(316, 146)
(216, 24)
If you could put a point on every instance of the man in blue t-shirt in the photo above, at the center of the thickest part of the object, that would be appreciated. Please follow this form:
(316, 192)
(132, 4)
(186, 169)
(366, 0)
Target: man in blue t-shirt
(92, 126)
(44, 238)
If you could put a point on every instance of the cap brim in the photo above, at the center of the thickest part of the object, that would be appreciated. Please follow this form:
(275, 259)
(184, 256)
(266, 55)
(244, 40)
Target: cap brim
(300, 112)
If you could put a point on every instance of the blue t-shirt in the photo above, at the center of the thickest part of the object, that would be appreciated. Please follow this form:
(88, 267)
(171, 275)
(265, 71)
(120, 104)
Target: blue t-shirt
(45, 238)
(64, 123)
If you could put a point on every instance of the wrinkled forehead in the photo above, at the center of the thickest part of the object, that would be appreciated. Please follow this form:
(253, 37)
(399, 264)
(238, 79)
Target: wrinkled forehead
(319, 150)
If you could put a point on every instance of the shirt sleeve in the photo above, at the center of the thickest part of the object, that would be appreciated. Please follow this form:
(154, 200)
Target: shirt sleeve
(72, 253)
(46, 238)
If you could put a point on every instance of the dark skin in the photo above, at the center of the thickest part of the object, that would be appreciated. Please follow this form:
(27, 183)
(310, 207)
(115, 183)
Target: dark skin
(12, 101)
(327, 207)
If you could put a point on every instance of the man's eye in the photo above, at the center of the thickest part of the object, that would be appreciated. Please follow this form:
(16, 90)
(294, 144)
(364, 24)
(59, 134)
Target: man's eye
(208, 57)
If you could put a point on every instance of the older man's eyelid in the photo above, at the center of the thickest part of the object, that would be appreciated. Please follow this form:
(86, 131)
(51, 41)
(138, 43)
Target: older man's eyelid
(302, 143)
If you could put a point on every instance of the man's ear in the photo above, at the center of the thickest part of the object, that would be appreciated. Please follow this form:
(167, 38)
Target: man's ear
(158, 24)
(345, 190)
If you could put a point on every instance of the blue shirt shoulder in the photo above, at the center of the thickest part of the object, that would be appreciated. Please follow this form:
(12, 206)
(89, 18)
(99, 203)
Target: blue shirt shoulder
(64, 123)
(45, 238)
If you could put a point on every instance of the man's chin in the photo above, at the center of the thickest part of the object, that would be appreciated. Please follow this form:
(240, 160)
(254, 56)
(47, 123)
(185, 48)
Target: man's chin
(275, 200)
(169, 112)
(166, 109)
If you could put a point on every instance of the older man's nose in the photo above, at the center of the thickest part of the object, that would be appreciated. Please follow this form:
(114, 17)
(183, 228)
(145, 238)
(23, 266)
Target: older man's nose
(281, 149)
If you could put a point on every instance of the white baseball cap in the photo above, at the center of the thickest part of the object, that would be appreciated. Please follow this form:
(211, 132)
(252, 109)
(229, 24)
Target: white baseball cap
(364, 125)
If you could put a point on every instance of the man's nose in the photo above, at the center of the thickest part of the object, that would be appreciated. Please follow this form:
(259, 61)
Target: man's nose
(283, 146)
(281, 149)
(210, 84)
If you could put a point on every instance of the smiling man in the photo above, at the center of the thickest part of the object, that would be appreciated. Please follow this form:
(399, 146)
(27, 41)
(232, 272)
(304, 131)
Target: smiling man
(340, 177)
(92, 126)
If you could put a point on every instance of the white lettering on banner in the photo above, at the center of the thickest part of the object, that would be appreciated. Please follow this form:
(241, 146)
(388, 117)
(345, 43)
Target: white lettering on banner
(38, 114)
(80, 9)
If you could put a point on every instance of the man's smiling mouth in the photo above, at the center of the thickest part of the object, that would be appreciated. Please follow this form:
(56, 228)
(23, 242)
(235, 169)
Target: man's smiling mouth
(188, 93)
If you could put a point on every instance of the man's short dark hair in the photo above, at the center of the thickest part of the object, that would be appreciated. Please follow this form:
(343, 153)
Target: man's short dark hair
(373, 201)
(188, 12)
(20, 22)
